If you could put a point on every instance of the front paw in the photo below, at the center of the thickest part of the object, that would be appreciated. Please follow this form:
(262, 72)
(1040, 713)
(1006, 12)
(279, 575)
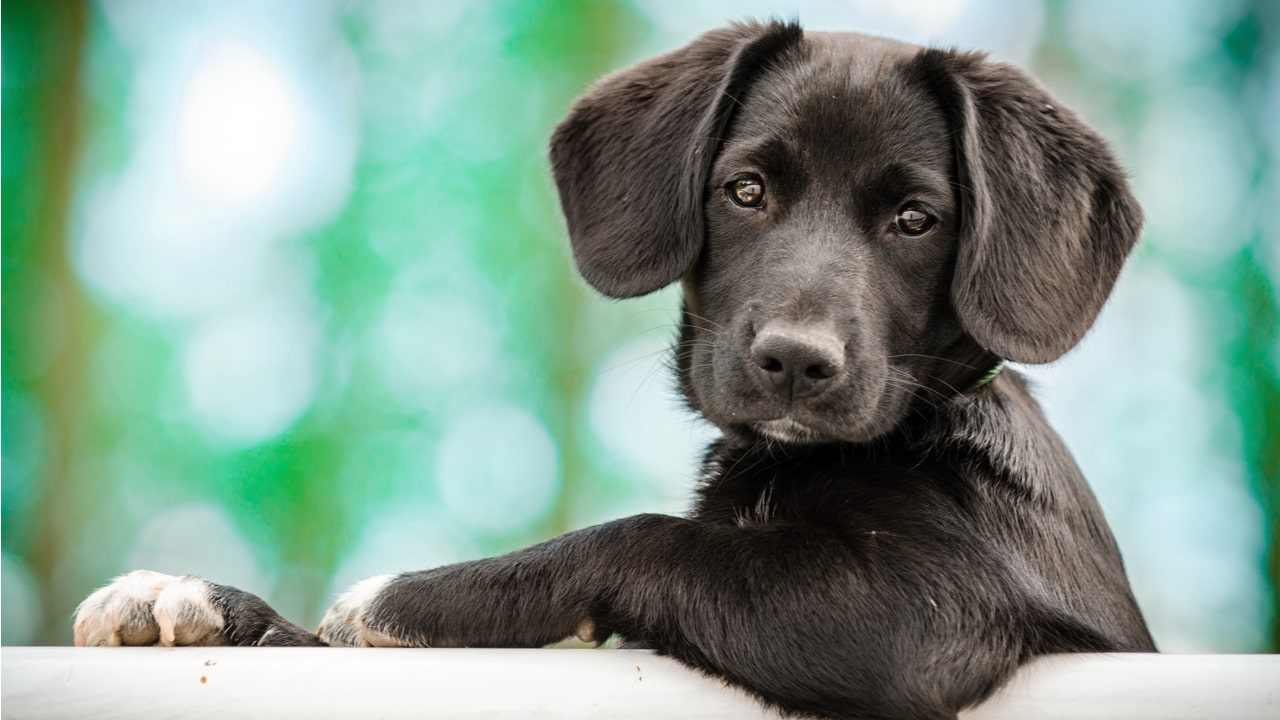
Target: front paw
(149, 608)
(472, 604)
(347, 622)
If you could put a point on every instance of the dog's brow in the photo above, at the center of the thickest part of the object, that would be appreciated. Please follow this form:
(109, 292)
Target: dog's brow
(906, 178)
(774, 155)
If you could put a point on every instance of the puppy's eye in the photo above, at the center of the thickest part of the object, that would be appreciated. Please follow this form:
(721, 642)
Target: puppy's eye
(747, 191)
(914, 220)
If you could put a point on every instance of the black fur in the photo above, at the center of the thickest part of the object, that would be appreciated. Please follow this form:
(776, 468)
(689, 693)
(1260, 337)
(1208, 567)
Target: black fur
(878, 534)
(899, 547)
(249, 620)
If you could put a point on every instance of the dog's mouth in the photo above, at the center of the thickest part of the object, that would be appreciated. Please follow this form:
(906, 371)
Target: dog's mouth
(737, 396)
(852, 412)
(792, 382)
(841, 418)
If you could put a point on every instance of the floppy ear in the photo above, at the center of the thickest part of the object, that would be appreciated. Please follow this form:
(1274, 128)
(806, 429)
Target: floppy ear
(631, 160)
(1047, 215)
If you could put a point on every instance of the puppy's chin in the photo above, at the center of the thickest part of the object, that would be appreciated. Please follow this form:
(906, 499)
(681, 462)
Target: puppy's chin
(792, 431)
(810, 427)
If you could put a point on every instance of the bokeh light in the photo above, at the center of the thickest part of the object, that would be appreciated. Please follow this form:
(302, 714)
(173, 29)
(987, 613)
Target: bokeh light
(238, 124)
(497, 490)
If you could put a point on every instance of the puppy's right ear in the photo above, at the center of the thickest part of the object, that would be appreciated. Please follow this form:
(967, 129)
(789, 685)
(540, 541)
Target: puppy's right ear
(631, 160)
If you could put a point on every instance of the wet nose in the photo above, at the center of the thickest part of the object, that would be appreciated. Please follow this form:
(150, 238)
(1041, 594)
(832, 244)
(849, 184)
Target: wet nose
(797, 361)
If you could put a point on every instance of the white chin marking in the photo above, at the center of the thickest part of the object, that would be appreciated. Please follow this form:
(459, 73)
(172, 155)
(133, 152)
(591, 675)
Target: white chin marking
(786, 430)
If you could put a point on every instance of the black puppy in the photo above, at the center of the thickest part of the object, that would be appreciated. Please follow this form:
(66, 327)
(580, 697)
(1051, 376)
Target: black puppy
(864, 231)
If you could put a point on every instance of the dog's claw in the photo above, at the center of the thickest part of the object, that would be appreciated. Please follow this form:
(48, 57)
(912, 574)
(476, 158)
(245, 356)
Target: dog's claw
(164, 619)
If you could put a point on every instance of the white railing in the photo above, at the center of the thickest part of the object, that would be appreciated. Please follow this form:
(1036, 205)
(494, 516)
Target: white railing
(319, 683)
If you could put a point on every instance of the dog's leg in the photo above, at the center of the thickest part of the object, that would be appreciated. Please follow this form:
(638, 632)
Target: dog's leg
(149, 608)
(636, 575)
(793, 614)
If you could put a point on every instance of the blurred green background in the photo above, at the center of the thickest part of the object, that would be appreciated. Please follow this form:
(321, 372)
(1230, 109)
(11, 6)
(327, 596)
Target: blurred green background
(287, 300)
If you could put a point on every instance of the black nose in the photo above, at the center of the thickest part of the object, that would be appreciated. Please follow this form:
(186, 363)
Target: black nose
(797, 361)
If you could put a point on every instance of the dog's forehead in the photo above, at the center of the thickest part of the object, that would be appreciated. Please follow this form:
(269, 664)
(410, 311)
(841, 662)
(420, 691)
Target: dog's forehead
(847, 90)
(863, 57)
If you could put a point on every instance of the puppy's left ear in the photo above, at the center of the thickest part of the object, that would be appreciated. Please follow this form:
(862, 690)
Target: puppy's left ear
(1047, 214)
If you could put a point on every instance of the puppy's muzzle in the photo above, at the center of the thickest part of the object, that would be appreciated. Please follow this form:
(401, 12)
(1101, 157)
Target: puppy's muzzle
(797, 361)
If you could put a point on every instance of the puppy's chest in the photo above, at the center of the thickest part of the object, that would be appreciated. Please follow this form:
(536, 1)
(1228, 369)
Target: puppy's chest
(811, 489)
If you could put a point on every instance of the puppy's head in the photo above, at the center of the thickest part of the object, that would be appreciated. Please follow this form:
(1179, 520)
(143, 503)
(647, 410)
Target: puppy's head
(857, 222)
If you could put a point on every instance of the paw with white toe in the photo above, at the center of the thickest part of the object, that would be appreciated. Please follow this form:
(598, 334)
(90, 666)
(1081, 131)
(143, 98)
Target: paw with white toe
(345, 623)
(149, 608)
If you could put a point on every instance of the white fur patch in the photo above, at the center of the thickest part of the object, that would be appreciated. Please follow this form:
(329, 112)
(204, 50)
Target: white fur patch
(149, 608)
(344, 623)
(785, 430)
(761, 513)
(710, 470)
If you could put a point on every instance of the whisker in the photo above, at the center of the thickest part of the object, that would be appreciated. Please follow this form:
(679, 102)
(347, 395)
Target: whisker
(722, 92)
(704, 319)
(631, 361)
(933, 357)
(902, 379)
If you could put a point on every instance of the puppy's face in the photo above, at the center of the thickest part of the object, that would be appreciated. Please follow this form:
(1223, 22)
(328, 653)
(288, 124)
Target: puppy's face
(858, 223)
(819, 304)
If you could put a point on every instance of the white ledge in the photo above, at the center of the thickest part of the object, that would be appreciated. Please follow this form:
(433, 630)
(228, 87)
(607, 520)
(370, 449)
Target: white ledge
(319, 683)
